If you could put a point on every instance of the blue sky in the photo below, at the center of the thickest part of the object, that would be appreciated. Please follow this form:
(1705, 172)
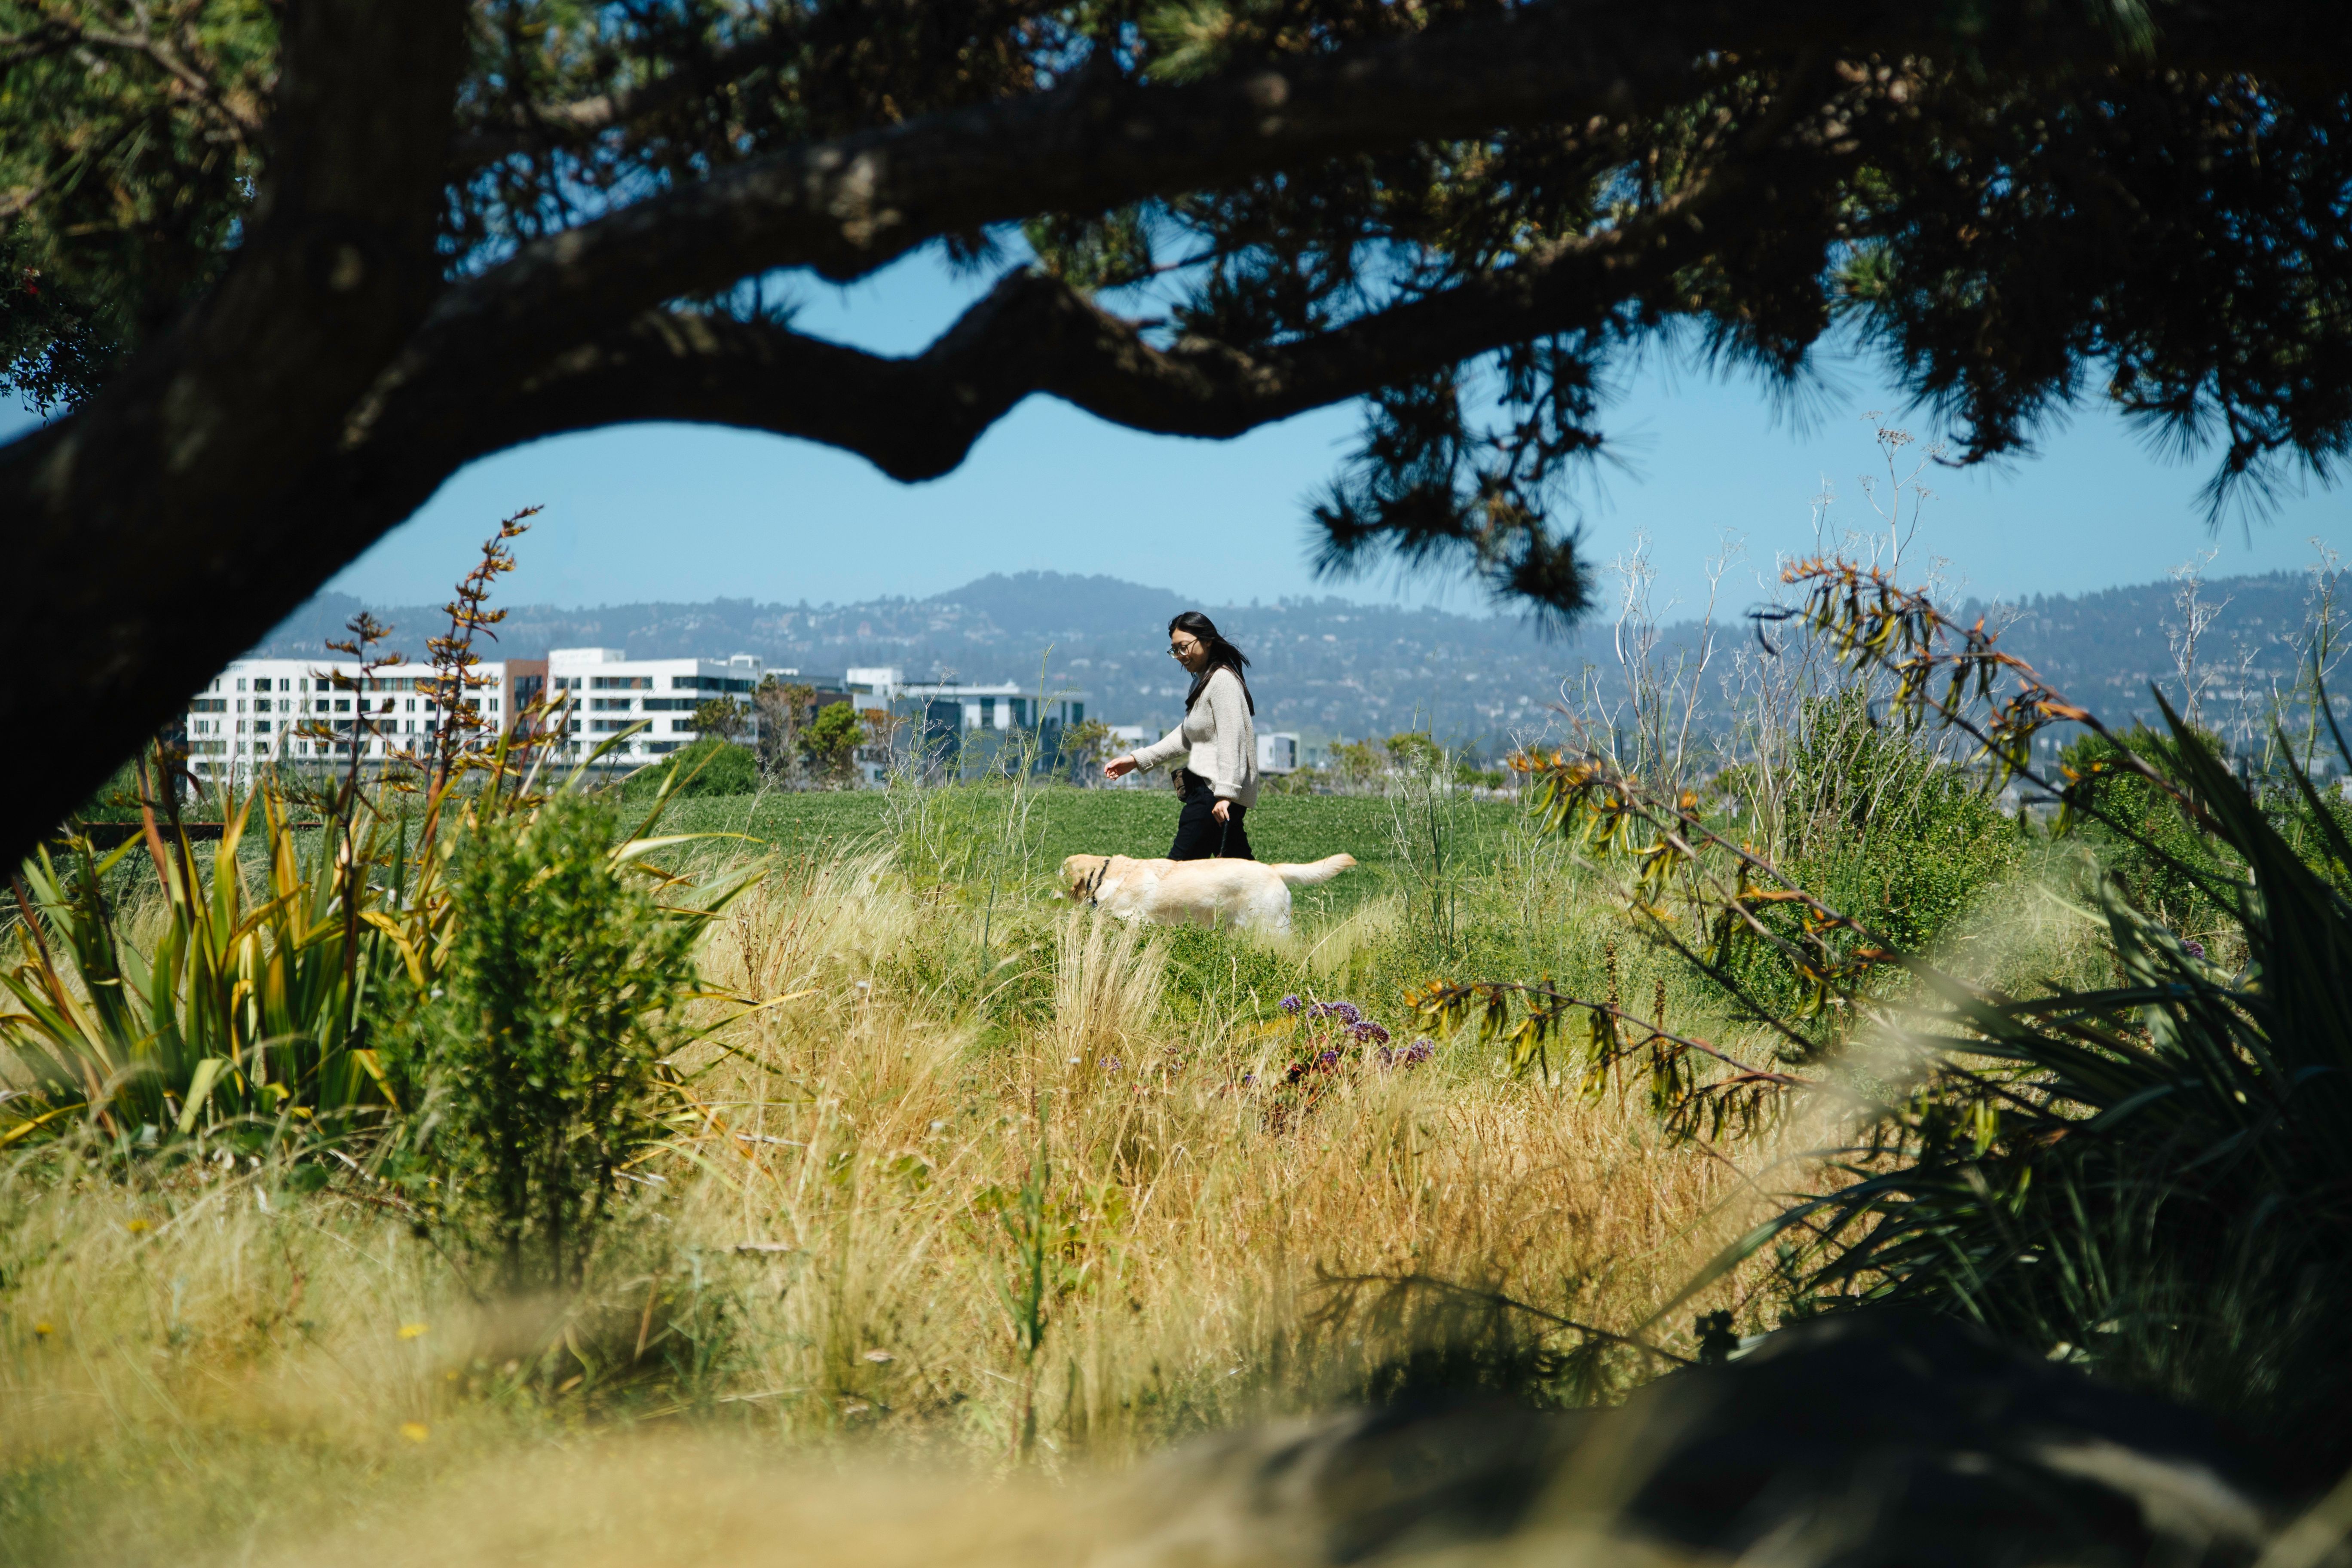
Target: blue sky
(685, 512)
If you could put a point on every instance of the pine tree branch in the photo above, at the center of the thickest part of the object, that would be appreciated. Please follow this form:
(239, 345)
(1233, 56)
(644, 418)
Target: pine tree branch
(579, 121)
(917, 418)
(847, 207)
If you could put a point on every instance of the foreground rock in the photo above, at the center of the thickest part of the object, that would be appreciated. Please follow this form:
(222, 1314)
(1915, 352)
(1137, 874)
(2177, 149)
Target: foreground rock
(1857, 1440)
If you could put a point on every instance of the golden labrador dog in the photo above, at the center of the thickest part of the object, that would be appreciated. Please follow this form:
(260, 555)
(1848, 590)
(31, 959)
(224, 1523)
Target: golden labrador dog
(1245, 893)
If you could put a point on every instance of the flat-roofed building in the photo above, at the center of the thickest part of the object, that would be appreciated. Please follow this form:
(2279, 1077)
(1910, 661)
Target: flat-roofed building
(940, 720)
(263, 711)
(610, 694)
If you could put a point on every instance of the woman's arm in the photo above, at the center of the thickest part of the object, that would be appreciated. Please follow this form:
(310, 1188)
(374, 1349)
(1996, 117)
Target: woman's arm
(1229, 712)
(1171, 745)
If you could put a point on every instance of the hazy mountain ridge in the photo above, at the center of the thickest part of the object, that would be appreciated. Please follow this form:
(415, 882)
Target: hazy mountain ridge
(2103, 649)
(1326, 665)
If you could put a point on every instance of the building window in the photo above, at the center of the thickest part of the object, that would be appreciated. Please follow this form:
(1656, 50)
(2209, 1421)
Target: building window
(681, 726)
(609, 704)
(620, 683)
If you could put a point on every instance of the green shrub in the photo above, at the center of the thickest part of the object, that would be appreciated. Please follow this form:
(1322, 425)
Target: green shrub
(1881, 828)
(2156, 854)
(558, 1000)
(710, 766)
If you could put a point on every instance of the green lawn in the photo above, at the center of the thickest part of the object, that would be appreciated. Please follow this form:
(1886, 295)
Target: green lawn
(1069, 821)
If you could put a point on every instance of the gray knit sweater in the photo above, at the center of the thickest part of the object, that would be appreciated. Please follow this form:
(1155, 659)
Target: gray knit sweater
(1216, 740)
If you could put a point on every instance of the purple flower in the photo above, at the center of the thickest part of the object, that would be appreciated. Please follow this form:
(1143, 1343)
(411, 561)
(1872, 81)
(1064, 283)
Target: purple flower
(1371, 1033)
(1288, 1003)
(1419, 1051)
(1346, 1011)
(1110, 1064)
(2193, 948)
(1249, 1079)
(1328, 1060)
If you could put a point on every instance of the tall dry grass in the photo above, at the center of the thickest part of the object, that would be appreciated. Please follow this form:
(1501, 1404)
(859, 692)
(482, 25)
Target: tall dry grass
(829, 1253)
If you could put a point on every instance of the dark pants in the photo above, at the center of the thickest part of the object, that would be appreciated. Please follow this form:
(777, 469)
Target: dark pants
(1201, 836)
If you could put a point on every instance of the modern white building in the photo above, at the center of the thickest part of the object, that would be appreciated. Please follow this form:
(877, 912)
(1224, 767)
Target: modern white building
(610, 692)
(260, 710)
(263, 711)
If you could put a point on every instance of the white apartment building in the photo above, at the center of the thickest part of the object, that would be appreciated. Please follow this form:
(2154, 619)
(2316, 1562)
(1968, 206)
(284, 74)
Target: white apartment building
(260, 710)
(610, 692)
(263, 711)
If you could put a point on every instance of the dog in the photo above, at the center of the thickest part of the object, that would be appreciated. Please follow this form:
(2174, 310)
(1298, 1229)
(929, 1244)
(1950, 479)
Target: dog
(1245, 894)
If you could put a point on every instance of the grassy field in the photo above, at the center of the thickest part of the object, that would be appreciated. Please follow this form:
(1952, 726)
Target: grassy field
(1069, 821)
(996, 1184)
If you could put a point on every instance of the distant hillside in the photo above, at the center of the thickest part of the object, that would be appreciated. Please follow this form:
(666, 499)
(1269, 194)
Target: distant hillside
(2103, 649)
(1326, 666)
(1323, 667)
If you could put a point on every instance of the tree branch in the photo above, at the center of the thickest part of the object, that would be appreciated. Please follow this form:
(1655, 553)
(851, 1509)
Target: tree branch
(916, 418)
(582, 119)
(847, 207)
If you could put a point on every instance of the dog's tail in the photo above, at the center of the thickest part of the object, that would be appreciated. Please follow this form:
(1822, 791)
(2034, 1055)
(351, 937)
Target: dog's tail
(1315, 871)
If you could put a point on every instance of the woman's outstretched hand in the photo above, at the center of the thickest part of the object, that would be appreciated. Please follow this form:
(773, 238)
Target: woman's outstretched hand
(1119, 767)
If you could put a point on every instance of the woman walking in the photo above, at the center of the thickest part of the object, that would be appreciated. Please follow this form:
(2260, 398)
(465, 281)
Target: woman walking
(1218, 740)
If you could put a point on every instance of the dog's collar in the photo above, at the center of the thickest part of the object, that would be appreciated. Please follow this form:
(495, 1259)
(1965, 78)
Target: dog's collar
(1094, 885)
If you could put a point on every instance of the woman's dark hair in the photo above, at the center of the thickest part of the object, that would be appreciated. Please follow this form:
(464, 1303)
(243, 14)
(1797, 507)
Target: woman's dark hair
(1223, 655)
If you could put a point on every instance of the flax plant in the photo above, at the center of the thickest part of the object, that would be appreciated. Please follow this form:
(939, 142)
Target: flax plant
(2146, 1175)
(249, 1004)
(275, 979)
